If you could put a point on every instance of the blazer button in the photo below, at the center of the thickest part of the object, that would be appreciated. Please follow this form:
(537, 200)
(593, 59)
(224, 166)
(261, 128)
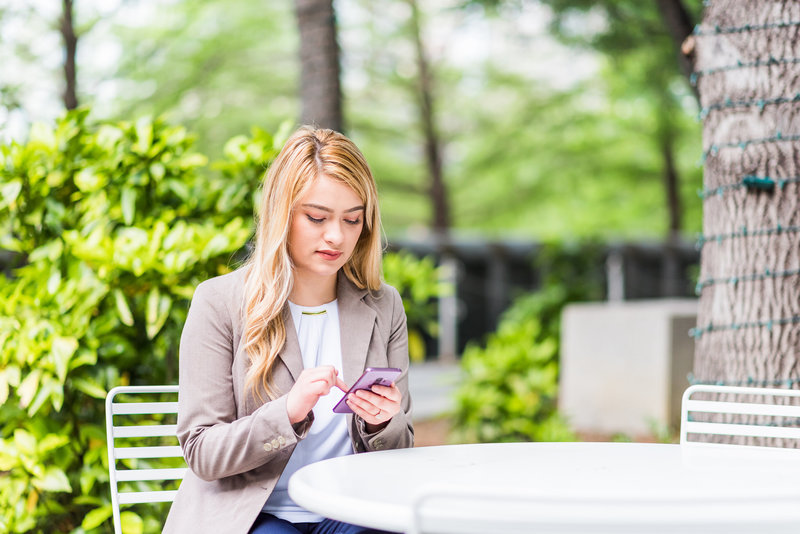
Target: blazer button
(275, 443)
(267, 447)
(281, 440)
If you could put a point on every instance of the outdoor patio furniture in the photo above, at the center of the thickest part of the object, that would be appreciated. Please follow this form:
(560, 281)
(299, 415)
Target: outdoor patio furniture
(133, 461)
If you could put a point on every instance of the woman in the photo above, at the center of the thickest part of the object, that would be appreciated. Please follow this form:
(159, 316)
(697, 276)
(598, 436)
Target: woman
(267, 350)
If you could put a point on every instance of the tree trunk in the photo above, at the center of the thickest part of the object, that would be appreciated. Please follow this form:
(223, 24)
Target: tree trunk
(671, 183)
(320, 92)
(433, 154)
(748, 330)
(680, 26)
(70, 46)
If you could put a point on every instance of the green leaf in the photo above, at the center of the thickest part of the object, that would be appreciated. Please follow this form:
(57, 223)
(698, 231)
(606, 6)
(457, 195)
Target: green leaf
(131, 523)
(157, 171)
(97, 517)
(89, 180)
(128, 201)
(13, 375)
(49, 389)
(90, 387)
(123, 311)
(3, 387)
(27, 389)
(25, 442)
(51, 442)
(54, 479)
(157, 311)
(54, 281)
(144, 135)
(9, 192)
(62, 350)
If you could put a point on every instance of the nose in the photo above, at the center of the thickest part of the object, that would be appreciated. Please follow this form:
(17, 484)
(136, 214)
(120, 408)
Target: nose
(333, 233)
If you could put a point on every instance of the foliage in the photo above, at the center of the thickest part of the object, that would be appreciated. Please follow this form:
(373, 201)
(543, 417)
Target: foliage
(510, 385)
(525, 152)
(115, 225)
(215, 67)
(419, 283)
(591, 166)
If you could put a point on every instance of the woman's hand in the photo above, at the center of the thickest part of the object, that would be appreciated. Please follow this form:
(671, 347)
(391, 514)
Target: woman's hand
(376, 407)
(310, 386)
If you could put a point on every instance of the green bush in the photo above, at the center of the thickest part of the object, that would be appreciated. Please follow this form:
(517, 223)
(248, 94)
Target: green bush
(419, 284)
(112, 227)
(510, 387)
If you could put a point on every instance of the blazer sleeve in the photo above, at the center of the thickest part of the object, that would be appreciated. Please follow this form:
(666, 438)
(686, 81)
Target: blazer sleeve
(215, 443)
(399, 431)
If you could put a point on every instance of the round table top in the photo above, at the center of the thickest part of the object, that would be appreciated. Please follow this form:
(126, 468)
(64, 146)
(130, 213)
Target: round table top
(378, 489)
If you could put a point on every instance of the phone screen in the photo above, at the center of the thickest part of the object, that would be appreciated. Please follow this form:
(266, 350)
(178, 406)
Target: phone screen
(383, 376)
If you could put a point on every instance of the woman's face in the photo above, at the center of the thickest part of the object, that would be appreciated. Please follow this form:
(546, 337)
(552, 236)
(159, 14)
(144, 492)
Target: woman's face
(325, 227)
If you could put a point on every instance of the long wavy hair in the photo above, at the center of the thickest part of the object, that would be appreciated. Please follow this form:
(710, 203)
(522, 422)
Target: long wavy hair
(307, 154)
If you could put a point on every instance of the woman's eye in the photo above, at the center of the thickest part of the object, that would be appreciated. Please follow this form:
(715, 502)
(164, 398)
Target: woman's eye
(314, 220)
(352, 221)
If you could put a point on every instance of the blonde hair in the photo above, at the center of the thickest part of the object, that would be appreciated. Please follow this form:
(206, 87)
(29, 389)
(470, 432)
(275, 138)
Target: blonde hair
(307, 154)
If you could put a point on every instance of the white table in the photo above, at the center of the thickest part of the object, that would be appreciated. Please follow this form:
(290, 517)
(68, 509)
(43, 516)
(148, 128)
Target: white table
(652, 483)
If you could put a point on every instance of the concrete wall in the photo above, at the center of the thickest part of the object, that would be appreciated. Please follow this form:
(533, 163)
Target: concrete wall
(624, 365)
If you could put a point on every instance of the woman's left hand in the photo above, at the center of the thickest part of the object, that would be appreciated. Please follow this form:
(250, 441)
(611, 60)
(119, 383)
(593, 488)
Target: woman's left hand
(376, 407)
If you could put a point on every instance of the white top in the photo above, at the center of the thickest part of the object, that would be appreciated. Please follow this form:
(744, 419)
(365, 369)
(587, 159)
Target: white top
(623, 486)
(318, 334)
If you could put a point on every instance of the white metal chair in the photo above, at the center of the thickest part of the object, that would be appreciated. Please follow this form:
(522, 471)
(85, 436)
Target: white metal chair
(716, 417)
(133, 463)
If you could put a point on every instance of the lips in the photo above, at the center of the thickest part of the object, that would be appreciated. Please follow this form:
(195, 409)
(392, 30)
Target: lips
(330, 255)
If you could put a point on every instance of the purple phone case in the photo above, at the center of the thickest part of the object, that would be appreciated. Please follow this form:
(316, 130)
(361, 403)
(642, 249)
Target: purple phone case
(383, 376)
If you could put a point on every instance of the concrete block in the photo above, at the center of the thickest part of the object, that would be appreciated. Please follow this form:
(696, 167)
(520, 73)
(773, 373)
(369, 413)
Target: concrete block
(624, 365)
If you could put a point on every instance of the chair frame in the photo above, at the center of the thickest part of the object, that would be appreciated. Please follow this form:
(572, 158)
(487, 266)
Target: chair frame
(688, 404)
(135, 431)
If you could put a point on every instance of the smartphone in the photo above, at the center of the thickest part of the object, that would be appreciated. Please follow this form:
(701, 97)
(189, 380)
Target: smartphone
(382, 376)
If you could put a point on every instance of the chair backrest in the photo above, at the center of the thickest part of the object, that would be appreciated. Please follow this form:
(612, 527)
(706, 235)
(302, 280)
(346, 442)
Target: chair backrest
(132, 462)
(739, 411)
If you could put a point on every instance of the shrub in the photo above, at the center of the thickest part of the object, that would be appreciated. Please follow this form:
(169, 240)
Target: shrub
(509, 389)
(419, 284)
(113, 226)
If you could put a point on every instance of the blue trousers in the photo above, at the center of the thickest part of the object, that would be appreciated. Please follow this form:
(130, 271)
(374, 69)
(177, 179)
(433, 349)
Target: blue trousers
(269, 524)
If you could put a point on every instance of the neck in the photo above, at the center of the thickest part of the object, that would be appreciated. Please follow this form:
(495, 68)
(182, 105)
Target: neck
(313, 291)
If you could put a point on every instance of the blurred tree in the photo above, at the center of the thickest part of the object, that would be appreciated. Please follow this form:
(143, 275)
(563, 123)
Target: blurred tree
(629, 27)
(437, 191)
(70, 40)
(749, 318)
(507, 137)
(518, 145)
(216, 67)
(320, 93)
(582, 162)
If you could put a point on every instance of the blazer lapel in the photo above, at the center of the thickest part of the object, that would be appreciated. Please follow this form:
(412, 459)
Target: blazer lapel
(290, 354)
(356, 321)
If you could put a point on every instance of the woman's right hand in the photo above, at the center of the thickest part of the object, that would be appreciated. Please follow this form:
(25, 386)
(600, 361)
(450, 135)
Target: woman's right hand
(310, 386)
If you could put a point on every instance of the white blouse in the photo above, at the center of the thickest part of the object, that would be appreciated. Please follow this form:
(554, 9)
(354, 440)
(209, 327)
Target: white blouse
(320, 344)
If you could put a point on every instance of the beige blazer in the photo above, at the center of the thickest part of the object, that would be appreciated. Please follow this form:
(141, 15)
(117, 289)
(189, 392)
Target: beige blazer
(236, 447)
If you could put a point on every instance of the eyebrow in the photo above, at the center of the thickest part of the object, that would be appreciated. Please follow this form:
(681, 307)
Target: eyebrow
(323, 208)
